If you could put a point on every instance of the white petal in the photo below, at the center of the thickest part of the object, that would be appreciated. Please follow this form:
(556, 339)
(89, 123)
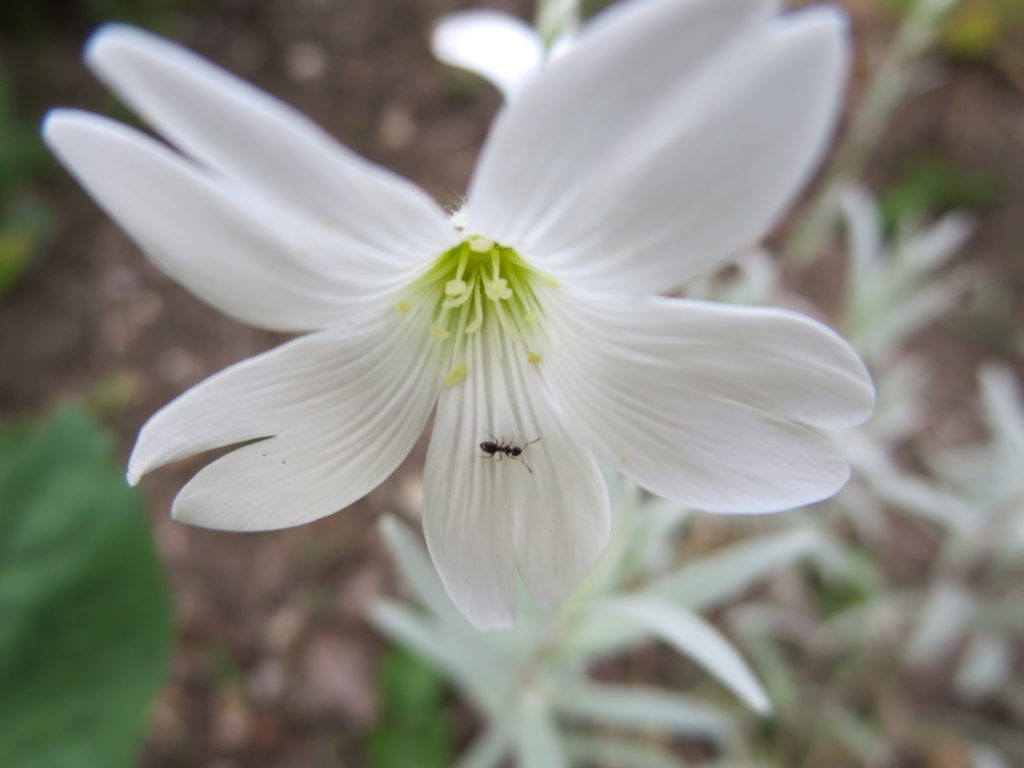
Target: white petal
(588, 101)
(340, 410)
(253, 138)
(694, 401)
(497, 46)
(778, 361)
(207, 235)
(546, 512)
(711, 158)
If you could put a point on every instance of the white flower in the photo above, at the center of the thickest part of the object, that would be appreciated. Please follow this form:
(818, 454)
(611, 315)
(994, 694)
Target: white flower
(498, 46)
(670, 136)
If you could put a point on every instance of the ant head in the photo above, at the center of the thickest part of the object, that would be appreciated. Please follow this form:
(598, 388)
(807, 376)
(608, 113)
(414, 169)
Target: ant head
(515, 450)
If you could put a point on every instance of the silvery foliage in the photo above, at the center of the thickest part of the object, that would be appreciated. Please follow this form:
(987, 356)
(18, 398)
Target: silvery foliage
(973, 494)
(974, 600)
(894, 290)
(532, 685)
(962, 624)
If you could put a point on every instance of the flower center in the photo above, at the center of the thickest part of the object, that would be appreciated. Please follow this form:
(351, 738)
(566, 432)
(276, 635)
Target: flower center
(479, 287)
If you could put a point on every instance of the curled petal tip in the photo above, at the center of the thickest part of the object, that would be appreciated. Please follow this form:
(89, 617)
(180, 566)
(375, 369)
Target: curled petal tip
(136, 469)
(109, 34)
(54, 122)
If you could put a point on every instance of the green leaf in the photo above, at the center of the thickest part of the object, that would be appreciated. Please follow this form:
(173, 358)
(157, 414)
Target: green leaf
(26, 229)
(414, 728)
(932, 185)
(86, 626)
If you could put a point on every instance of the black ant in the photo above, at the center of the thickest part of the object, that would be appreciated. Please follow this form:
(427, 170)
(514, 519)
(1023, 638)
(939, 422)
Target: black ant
(500, 447)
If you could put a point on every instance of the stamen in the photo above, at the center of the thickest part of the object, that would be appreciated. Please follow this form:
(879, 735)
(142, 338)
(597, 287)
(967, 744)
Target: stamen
(478, 317)
(480, 286)
(457, 302)
(456, 287)
(455, 375)
(497, 289)
(506, 325)
(463, 259)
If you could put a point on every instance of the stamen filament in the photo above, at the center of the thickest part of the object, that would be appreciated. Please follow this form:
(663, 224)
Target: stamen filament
(480, 286)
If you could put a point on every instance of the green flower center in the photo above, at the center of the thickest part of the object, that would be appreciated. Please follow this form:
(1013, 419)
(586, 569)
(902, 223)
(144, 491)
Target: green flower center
(479, 287)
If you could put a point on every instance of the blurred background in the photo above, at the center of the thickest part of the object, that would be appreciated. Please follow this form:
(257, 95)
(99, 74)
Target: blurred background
(256, 649)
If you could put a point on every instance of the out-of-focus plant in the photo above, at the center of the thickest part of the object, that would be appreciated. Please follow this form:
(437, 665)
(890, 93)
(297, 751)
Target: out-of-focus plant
(413, 727)
(978, 30)
(26, 222)
(973, 602)
(532, 685)
(895, 664)
(931, 185)
(85, 619)
(557, 19)
(900, 72)
(895, 289)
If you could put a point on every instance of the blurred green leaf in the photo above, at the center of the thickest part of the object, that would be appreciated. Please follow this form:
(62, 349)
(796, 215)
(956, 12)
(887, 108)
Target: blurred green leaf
(22, 155)
(932, 185)
(26, 228)
(86, 626)
(972, 30)
(413, 728)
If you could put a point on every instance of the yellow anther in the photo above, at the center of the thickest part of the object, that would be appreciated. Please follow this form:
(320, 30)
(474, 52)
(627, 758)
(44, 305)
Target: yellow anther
(456, 288)
(622, 459)
(455, 375)
(549, 281)
(458, 301)
(479, 288)
(497, 290)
